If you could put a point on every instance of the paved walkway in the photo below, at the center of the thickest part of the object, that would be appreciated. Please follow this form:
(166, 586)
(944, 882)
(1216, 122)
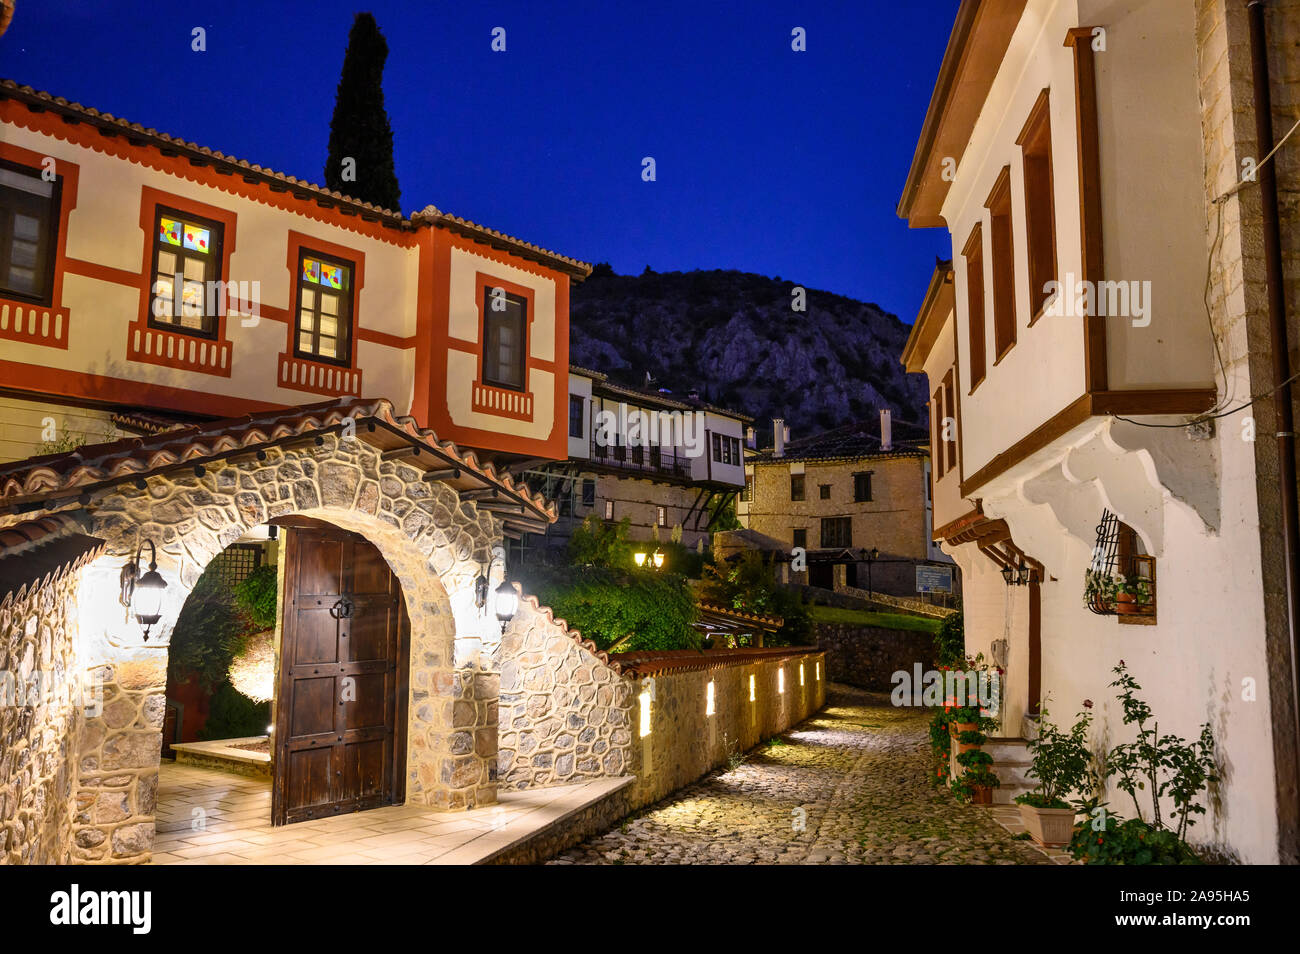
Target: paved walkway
(206, 816)
(850, 786)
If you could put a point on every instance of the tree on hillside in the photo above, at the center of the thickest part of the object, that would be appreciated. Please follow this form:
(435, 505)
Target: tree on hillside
(360, 162)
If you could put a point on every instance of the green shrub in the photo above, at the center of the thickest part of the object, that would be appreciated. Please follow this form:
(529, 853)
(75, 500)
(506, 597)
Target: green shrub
(256, 596)
(749, 584)
(950, 641)
(597, 543)
(1129, 842)
(621, 611)
(208, 633)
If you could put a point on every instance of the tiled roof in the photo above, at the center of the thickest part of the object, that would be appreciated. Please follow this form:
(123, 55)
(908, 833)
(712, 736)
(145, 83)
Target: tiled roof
(41, 100)
(35, 553)
(762, 620)
(45, 482)
(640, 665)
(664, 400)
(856, 440)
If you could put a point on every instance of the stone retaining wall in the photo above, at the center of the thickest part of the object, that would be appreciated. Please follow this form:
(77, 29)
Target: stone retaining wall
(37, 784)
(685, 743)
(868, 656)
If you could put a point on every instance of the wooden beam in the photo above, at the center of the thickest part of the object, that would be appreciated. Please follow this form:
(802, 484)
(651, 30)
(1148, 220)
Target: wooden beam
(483, 493)
(449, 473)
(396, 453)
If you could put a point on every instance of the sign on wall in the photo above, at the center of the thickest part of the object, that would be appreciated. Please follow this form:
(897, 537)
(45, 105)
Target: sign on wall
(933, 579)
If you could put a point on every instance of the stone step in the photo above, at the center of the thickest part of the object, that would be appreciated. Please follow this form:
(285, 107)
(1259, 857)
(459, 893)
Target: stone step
(1007, 750)
(1013, 773)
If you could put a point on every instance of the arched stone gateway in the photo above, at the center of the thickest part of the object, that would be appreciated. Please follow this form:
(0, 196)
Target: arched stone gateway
(566, 712)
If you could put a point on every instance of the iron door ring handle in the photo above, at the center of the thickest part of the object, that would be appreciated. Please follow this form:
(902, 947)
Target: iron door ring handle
(342, 608)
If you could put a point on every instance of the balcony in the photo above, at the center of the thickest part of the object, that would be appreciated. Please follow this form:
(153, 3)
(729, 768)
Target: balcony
(652, 461)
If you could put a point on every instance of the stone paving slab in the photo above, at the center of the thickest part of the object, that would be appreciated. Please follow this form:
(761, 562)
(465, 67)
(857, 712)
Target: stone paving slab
(236, 824)
(849, 786)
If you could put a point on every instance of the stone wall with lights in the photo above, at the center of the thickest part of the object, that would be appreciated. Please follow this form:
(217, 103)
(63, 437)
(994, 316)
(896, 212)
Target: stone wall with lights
(565, 714)
(40, 718)
(684, 742)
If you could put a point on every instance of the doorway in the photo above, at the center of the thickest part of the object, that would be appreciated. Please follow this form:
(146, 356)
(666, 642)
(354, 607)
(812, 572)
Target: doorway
(340, 711)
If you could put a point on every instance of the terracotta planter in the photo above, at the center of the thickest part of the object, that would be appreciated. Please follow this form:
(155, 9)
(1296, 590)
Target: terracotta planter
(967, 726)
(981, 795)
(1126, 604)
(1050, 827)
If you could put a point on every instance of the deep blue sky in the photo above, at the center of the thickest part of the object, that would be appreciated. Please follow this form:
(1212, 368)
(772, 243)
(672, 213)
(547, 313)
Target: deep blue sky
(769, 161)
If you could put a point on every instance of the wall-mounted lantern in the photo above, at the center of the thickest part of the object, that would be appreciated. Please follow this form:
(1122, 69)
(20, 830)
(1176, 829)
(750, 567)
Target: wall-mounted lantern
(506, 602)
(142, 593)
(659, 559)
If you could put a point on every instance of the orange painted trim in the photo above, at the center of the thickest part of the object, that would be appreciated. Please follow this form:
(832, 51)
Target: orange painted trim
(300, 242)
(143, 154)
(75, 384)
(102, 273)
(70, 173)
(484, 281)
(383, 338)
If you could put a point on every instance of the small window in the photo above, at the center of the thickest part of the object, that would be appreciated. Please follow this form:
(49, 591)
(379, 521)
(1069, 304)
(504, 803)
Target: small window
(837, 532)
(949, 414)
(936, 432)
(504, 329)
(1002, 252)
(186, 268)
(824, 491)
(589, 493)
(799, 538)
(324, 330)
(974, 255)
(749, 488)
(717, 447)
(577, 409)
(29, 225)
(609, 510)
(862, 486)
(796, 486)
(1040, 206)
(661, 516)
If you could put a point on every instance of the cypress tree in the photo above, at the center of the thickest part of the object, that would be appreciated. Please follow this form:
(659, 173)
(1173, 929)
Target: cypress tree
(359, 130)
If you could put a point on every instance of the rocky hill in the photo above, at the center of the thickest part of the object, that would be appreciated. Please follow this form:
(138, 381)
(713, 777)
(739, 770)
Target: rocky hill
(734, 337)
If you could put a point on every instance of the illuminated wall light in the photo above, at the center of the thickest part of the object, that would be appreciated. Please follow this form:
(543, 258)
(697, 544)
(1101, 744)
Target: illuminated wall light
(708, 699)
(780, 679)
(817, 673)
(644, 699)
(752, 689)
(801, 674)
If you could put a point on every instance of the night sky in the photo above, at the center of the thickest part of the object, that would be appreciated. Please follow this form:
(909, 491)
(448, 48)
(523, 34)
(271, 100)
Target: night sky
(770, 161)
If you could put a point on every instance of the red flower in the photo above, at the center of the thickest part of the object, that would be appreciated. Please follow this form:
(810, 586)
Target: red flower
(1087, 703)
(1099, 839)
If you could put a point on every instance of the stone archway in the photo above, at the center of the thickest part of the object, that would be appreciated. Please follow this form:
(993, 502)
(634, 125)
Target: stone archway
(435, 544)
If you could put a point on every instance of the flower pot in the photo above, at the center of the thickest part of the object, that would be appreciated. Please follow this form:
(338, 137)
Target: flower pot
(967, 726)
(1126, 604)
(981, 795)
(1050, 827)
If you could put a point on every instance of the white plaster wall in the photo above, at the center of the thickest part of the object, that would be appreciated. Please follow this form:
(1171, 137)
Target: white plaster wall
(580, 447)
(1047, 360)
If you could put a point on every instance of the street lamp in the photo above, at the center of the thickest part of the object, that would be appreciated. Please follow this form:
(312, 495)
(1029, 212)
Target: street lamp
(142, 595)
(639, 558)
(659, 559)
(871, 556)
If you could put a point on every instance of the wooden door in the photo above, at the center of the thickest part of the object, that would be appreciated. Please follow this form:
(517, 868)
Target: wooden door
(340, 712)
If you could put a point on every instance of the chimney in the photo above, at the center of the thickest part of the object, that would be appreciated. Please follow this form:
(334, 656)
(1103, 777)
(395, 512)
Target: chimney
(886, 431)
(779, 435)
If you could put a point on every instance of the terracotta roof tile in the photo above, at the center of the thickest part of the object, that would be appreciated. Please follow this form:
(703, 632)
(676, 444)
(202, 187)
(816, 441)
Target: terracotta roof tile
(93, 466)
(35, 553)
(640, 665)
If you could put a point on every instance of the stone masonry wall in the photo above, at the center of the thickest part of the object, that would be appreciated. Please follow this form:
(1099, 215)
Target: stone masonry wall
(38, 728)
(565, 713)
(684, 742)
(868, 656)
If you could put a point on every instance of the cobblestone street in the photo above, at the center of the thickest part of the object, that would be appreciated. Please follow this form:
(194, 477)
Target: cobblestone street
(848, 786)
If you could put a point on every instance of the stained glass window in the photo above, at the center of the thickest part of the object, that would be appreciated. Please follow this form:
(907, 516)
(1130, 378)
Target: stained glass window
(187, 268)
(324, 310)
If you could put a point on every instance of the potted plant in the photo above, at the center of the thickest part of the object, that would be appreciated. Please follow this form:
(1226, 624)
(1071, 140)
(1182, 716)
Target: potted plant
(1100, 590)
(981, 785)
(978, 781)
(1132, 593)
(1061, 764)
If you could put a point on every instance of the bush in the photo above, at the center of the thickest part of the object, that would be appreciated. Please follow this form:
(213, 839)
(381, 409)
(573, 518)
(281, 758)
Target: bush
(208, 633)
(1062, 762)
(256, 596)
(597, 543)
(748, 584)
(950, 641)
(620, 611)
(1129, 842)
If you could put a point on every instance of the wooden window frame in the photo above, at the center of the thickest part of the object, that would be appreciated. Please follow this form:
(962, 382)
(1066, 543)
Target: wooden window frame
(215, 260)
(840, 541)
(49, 240)
(949, 389)
(1035, 142)
(823, 491)
(976, 335)
(868, 474)
(797, 480)
(350, 297)
(525, 302)
(794, 537)
(579, 404)
(609, 509)
(661, 515)
(1002, 259)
